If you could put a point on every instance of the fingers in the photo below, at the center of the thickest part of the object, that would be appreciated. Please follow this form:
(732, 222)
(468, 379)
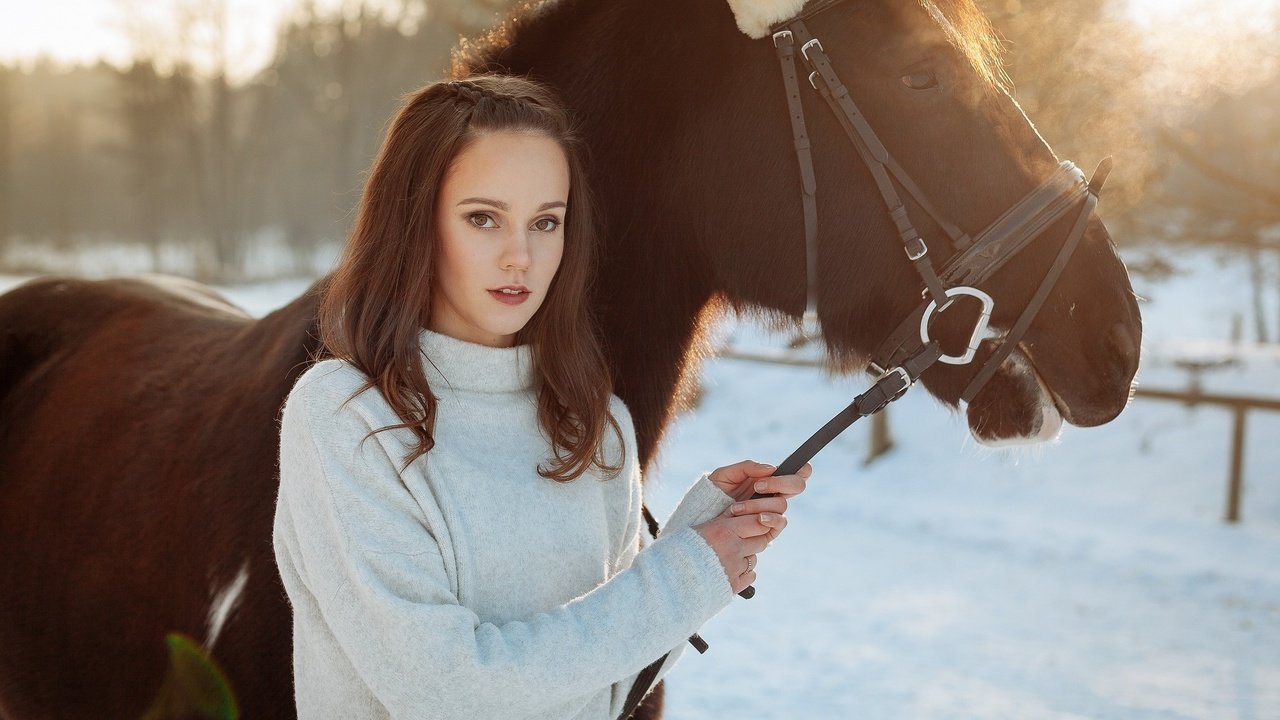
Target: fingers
(757, 524)
(741, 582)
(776, 504)
(734, 474)
(755, 545)
(785, 485)
(766, 507)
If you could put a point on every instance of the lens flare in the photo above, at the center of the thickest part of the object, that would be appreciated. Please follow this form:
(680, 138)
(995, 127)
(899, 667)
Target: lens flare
(194, 685)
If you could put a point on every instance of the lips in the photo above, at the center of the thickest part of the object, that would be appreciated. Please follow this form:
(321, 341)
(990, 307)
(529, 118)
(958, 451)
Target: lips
(510, 298)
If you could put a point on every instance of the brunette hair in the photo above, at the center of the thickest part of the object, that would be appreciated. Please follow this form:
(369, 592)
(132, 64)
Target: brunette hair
(378, 299)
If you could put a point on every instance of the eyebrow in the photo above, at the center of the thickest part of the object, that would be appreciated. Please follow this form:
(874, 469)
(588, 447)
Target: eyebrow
(503, 206)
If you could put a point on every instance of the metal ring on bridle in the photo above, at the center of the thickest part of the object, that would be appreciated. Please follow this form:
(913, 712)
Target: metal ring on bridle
(979, 327)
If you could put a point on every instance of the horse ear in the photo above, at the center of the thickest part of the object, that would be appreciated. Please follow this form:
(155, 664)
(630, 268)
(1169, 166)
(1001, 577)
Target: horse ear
(755, 16)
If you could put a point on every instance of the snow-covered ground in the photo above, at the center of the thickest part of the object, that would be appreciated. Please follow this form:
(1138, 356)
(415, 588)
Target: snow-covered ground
(1087, 578)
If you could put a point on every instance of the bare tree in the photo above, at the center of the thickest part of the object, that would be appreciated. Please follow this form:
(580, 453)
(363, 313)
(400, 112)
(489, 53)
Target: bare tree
(6, 154)
(143, 109)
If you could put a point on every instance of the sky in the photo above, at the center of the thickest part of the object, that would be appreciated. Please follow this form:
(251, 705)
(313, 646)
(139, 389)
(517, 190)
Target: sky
(84, 30)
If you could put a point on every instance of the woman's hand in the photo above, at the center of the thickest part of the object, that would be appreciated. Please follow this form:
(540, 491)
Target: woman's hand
(747, 527)
(741, 480)
(737, 539)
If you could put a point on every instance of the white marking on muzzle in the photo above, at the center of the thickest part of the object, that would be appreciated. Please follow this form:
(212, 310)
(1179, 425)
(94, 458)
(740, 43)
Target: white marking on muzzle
(1018, 365)
(224, 601)
(755, 16)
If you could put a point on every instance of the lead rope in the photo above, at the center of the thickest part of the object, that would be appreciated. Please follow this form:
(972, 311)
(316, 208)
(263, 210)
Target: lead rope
(891, 386)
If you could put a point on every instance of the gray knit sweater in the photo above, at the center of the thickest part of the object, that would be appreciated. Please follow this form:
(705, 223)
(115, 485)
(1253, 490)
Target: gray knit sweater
(468, 586)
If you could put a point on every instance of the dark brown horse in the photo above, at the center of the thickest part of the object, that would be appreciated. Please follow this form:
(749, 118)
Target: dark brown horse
(138, 416)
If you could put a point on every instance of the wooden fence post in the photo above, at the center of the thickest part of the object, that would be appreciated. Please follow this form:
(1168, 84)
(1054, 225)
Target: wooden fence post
(880, 443)
(1237, 464)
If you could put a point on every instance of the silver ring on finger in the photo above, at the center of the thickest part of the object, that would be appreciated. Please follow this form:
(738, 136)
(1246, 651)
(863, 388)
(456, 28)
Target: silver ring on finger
(751, 563)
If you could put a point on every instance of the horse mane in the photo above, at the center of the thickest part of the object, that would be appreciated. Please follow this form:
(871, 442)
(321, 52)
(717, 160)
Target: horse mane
(480, 54)
(965, 25)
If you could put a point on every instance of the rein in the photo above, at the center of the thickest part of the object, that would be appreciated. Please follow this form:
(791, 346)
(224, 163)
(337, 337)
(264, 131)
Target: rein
(909, 351)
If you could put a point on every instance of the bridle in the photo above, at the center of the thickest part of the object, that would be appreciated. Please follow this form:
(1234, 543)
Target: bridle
(909, 351)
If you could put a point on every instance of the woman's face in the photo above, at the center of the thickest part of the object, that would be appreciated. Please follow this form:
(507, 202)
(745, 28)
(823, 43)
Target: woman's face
(500, 218)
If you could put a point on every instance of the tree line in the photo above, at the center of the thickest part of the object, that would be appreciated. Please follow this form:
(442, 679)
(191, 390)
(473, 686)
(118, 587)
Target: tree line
(160, 156)
(164, 157)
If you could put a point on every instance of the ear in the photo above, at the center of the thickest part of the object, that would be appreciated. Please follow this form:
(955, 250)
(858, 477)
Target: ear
(755, 16)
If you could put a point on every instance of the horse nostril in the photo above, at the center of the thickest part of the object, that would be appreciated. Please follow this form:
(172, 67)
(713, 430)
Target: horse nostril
(1124, 342)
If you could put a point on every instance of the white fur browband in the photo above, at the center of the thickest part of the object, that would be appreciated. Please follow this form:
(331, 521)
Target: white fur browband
(755, 16)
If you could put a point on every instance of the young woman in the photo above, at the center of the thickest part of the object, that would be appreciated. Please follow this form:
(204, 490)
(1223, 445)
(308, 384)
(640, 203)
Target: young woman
(458, 525)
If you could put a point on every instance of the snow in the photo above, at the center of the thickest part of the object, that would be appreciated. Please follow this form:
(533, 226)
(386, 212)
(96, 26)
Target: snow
(1090, 577)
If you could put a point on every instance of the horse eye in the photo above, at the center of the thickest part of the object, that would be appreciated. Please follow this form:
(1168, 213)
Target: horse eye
(921, 80)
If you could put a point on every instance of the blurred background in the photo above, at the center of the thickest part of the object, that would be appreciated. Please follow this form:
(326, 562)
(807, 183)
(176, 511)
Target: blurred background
(226, 139)
(1129, 571)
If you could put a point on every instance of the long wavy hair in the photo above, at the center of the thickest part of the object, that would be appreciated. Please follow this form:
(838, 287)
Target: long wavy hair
(379, 296)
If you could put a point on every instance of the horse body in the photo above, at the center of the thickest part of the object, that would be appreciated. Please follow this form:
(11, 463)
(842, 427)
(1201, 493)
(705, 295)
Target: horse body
(138, 421)
(136, 471)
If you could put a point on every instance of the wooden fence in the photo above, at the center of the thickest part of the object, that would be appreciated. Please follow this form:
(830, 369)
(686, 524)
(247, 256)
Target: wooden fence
(1240, 406)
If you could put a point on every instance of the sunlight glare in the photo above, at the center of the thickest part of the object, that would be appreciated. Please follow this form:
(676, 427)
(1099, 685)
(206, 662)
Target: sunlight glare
(1196, 48)
(82, 31)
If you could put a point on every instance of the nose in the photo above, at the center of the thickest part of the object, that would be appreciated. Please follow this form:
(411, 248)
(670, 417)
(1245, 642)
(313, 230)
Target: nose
(1122, 341)
(516, 255)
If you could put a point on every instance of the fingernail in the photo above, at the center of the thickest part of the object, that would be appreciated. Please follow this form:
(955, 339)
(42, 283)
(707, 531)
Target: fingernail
(760, 486)
(768, 466)
(766, 517)
(737, 507)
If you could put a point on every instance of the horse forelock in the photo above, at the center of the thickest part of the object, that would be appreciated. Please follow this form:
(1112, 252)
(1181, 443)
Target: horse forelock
(965, 26)
(755, 16)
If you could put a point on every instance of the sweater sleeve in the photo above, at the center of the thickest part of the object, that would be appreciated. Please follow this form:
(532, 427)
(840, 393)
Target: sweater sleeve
(701, 502)
(367, 552)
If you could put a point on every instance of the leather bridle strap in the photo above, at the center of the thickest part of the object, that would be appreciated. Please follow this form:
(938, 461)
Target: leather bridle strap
(873, 152)
(808, 180)
(1020, 327)
(868, 144)
(1018, 226)
(888, 387)
(995, 246)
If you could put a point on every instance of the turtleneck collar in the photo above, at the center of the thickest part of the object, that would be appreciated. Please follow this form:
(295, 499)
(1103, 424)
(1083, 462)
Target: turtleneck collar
(464, 365)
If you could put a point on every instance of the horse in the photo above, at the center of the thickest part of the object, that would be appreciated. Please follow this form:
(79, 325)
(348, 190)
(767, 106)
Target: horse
(139, 416)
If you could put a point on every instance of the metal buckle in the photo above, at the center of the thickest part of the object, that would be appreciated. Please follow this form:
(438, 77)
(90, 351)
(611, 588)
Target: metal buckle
(979, 328)
(921, 252)
(780, 33)
(813, 75)
(906, 380)
(805, 50)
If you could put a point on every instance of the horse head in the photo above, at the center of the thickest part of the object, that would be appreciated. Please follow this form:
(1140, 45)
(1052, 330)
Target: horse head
(691, 135)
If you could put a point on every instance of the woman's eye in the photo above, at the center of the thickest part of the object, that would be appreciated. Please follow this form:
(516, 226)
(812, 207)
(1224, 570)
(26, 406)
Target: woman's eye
(920, 80)
(547, 224)
(479, 220)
